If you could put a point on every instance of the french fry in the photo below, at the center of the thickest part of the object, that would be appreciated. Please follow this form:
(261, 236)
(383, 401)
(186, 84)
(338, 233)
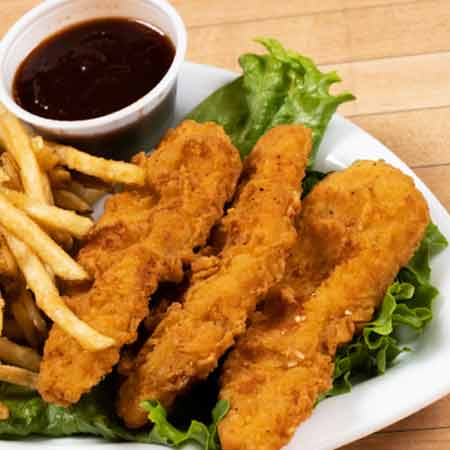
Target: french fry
(12, 330)
(92, 182)
(18, 145)
(50, 272)
(59, 177)
(90, 195)
(37, 143)
(47, 159)
(18, 355)
(48, 299)
(34, 313)
(60, 236)
(25, 323)
(4, 177)
(17, 375)
(47, 190)
(64, 239)
(107, 170)
(8, 266)
(19, 224)
(68, 200)
(4, 412)
(20, 310)
(12, 171)
(52, 217)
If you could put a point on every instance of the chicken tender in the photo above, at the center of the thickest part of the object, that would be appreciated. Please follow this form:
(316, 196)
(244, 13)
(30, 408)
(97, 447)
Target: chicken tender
(255, 238)
(144, 237)
(356, 230)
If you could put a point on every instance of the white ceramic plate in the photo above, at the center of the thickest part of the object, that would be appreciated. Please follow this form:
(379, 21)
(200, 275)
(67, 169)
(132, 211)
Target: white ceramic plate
(418, 379)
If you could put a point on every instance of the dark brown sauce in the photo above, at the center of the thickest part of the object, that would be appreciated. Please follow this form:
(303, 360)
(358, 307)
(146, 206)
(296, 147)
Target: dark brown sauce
(92, 69)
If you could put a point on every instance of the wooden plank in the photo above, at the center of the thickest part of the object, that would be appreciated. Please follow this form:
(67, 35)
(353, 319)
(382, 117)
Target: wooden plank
(12, 10)
(411, 440)
(418, 137)
(436, 178)
(200, 12)
(392, 84)
(435, 416)
(339, 36)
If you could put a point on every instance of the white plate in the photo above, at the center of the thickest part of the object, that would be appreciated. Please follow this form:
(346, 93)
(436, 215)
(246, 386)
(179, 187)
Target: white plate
(418, 379)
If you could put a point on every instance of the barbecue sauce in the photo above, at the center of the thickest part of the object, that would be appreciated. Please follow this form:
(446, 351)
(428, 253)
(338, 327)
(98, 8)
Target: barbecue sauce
(92, 69)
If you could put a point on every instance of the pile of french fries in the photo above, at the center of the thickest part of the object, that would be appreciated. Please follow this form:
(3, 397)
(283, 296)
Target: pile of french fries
(47, 192)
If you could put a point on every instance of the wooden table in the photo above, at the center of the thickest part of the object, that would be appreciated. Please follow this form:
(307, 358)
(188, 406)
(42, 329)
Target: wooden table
(394, 55)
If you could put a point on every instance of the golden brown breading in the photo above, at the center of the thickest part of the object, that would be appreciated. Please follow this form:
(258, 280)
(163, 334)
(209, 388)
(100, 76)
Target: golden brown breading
(143, 238)
(256, 236)
(356, 230)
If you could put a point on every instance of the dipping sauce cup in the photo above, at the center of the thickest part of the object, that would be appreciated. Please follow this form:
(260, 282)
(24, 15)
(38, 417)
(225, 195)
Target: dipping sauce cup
(122, 133)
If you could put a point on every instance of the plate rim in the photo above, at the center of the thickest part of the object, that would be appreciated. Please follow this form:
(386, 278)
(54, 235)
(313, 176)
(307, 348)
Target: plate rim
(439, 210)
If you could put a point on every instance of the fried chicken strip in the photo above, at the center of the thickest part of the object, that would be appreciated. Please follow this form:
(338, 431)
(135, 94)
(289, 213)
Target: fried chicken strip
(144, 237)
(255, 238)
(356, 230)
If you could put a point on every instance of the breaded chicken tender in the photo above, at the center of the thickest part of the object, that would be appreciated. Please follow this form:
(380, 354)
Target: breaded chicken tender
(254, 239)
(356, 230)
(143, 238)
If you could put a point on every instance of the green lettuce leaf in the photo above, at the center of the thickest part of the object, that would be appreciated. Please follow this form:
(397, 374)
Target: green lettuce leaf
(165, 433)
(30, 415)
(280, 87)
(94, 415)
(407, 303)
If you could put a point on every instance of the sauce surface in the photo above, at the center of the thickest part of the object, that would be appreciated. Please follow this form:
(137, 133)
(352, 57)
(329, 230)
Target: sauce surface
(92, 69)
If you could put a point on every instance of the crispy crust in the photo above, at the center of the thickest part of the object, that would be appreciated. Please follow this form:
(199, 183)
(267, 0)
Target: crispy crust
(143, 238)
(251, 245)
(356, 230)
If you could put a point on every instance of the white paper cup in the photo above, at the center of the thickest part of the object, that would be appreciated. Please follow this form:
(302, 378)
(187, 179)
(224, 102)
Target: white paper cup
(119, 134)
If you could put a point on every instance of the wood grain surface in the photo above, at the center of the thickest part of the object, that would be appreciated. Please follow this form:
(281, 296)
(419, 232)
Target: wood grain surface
(394, 55)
